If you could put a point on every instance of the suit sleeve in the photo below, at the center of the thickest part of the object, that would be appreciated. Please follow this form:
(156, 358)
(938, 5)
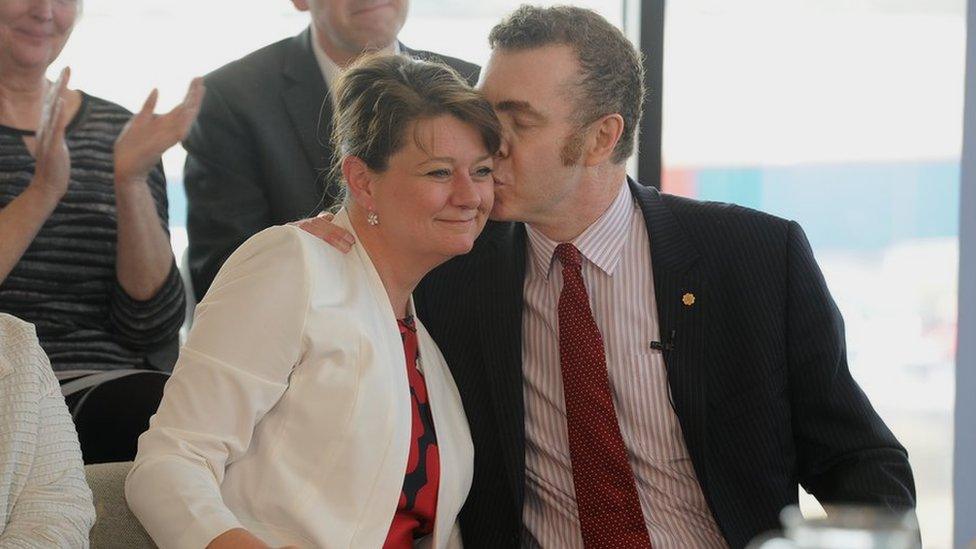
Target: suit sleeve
(247, 338)
(226, 199)
(846, 453)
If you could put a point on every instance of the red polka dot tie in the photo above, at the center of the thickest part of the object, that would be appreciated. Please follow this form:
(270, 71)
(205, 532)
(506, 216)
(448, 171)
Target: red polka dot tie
(609, 510)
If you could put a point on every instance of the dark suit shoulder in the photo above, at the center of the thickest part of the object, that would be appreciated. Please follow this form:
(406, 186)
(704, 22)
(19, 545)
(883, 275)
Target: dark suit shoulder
(719, 212)
(253, 68)
(468, 71)
(727, 228)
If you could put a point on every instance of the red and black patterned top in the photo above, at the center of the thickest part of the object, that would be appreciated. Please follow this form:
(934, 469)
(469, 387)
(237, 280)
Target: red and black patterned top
(415, 514)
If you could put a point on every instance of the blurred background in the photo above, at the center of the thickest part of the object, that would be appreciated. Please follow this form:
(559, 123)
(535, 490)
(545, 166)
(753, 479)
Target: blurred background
(845, 115)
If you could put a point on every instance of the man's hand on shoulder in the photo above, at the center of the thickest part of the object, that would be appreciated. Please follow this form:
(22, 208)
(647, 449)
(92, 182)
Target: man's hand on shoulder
(322, 227)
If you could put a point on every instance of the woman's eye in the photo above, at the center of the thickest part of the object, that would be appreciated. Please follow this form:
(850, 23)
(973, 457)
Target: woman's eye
(439, 173)
(483, 171)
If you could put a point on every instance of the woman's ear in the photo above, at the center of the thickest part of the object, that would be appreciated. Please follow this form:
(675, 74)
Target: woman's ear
(360, 180)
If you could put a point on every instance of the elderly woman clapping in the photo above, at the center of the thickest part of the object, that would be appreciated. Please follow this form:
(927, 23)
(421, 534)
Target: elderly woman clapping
(85, 253)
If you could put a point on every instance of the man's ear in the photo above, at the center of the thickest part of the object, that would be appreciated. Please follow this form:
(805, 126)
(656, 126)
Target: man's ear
(300, 5)
(602, 140)
(359, 179)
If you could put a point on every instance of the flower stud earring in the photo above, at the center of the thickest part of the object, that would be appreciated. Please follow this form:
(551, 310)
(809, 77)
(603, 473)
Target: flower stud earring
(372, 218)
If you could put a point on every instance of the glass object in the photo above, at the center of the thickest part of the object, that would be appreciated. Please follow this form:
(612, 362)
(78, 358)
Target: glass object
(847, 527)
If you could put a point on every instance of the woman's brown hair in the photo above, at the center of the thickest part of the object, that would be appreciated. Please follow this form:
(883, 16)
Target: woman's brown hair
(379, 97)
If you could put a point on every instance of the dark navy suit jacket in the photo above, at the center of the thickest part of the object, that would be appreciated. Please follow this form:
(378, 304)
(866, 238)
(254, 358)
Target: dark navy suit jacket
(757, 369)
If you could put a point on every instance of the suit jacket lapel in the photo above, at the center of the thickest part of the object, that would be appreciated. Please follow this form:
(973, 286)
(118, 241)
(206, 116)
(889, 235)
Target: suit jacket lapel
(682, 300)
(307, 101)
(501, 339)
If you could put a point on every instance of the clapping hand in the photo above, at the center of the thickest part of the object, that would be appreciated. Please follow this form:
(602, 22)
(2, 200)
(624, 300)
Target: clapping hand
(52, 161)
(147, 135)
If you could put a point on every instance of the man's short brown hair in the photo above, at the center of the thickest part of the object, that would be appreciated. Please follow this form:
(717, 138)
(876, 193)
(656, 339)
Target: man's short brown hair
(612, 79)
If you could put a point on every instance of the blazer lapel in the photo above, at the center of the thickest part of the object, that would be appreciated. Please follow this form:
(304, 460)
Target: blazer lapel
(307, 101)
(501, 339)
(453, 438)
(682, 299)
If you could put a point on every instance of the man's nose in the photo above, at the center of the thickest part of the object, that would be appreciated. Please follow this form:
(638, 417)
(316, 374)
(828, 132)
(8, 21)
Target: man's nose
(503, 148)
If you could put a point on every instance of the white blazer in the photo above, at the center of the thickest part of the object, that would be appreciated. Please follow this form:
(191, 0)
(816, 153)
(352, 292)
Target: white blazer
(289, 413)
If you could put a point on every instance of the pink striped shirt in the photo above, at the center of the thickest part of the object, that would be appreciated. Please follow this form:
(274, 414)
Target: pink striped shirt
(618, 277)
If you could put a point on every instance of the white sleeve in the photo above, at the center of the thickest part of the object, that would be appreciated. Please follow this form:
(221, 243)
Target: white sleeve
(247, 337)
(45, 499)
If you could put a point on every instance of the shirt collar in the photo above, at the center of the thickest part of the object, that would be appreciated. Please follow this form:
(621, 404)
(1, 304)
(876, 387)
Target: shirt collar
(330, 69)
(600, 243)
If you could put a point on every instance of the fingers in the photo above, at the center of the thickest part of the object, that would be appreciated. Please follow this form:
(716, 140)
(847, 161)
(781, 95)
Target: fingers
(150, 105)
(54, 129)
(175, 124)
(54, 93)
(62, 83)
(62, 117)
(191, 105)
(322, 227)
(191, 101)
(194, 94)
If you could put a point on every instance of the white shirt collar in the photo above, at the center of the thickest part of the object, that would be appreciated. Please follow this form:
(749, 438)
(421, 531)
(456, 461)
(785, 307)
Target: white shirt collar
(600, 243)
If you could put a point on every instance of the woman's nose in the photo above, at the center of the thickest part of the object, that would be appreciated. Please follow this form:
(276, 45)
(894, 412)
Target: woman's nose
(465, 195)
(42, 9)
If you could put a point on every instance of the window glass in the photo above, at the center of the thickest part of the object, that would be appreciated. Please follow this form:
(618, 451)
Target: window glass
(845, 115)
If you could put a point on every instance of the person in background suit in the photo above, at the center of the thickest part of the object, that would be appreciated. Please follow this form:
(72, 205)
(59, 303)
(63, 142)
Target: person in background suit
(308, 408)
(258, 154)
(637, 369)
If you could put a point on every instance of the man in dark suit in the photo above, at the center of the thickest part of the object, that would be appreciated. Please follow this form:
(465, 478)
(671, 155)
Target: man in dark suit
(637, 369)
(259, 153)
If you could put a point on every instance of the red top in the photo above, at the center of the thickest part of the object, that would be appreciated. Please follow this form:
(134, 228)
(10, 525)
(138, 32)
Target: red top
(415, 514)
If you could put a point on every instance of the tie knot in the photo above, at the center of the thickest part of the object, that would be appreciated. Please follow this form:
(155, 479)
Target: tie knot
(568, 255)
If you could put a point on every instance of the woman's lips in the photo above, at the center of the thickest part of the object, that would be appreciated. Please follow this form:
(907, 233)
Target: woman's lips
(372, 8)
(36, 36)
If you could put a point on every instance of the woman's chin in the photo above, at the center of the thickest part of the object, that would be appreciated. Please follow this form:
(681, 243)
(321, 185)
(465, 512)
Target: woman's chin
(456, 246)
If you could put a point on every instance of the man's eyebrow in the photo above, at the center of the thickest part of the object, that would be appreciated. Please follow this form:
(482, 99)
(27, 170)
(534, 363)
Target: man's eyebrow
(519, 107)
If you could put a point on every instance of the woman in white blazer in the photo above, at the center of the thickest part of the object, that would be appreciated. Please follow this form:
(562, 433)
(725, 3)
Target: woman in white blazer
(308, 408)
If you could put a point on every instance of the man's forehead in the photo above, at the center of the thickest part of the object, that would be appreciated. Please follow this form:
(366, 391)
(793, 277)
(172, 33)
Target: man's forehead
(523, 76)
